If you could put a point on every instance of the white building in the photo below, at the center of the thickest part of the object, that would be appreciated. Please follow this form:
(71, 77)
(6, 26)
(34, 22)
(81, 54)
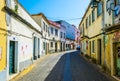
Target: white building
(24, 37)
(62, 38)
(44, 23)
(54, 37)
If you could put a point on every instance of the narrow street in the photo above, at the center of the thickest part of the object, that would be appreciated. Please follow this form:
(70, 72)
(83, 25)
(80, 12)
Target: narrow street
(69, 66)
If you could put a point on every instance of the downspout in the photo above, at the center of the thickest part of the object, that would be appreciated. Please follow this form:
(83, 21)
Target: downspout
(103, 25)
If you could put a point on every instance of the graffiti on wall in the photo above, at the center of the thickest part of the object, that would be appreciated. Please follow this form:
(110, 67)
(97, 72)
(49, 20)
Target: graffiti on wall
(23, 49)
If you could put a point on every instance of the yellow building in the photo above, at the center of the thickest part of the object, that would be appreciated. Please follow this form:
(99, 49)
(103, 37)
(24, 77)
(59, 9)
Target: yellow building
(2, 36)
(100, 35)
(112, 40)
(3, 41)
(91, 34)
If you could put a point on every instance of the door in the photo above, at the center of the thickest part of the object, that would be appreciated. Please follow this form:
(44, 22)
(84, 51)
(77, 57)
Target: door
(118, 59)
(12, 57)
(61, 47)
(56, 47)
(35, 48)
(48, 47)
(99, 51)
(90, 48)
(38, 48)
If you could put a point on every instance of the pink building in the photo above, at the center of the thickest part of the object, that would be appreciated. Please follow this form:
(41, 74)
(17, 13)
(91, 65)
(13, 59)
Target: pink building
(77, 36)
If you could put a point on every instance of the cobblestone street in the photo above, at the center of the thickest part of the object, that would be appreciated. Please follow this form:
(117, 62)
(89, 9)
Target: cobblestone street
(69, 66)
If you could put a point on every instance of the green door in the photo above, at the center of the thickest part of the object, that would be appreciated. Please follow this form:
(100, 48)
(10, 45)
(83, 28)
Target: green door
(12, 57)
(118, 60)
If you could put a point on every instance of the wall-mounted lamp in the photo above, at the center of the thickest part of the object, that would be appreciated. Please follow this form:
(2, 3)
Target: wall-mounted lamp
(33, 34)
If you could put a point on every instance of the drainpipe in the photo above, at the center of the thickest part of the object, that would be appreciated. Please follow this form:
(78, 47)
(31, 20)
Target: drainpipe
(103, 25)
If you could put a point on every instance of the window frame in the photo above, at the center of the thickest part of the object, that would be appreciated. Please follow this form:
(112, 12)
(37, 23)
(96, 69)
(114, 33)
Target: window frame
(93, 15)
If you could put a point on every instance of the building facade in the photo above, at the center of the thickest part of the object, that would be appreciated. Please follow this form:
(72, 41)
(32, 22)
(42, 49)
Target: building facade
(3, 40)
(91, 33)
(70, 34)
(99, 31)
(44, 23)
(77, 37)
(54, 37)
(62, 38)
(23, 39)
(112, 37)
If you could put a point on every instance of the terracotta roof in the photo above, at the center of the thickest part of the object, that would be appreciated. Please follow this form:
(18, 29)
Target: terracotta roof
(54, 24)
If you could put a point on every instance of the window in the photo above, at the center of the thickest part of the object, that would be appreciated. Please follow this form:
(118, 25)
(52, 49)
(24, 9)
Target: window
(99, 9)
(44, 45)
(83, 29)
(51, 44)
(93, 46)
(60, 34)
(86, 22)
(64, 35)
(44, 26)
(93, 15)
(89, 20)
(51, 30)
(117, 2)
(56, 32)
(48, 29)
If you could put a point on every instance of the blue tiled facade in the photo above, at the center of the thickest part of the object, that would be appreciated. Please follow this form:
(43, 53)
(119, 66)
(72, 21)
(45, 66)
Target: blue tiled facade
(70, 30)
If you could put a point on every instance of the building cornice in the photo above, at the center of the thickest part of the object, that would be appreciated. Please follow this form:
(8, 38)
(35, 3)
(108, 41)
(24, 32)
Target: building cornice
(111, 28)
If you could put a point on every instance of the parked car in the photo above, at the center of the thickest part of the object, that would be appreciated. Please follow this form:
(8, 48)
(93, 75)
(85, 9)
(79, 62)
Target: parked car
(78, 48)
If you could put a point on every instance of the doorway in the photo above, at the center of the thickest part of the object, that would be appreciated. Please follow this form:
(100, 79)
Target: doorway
(90, 48)
(117, 59)
(13, 49)
(46, 50)
(56, 47)
(99, 51)
(61, 47)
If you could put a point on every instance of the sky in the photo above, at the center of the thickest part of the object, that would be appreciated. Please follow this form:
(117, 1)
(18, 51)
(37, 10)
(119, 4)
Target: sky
(71, 11)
